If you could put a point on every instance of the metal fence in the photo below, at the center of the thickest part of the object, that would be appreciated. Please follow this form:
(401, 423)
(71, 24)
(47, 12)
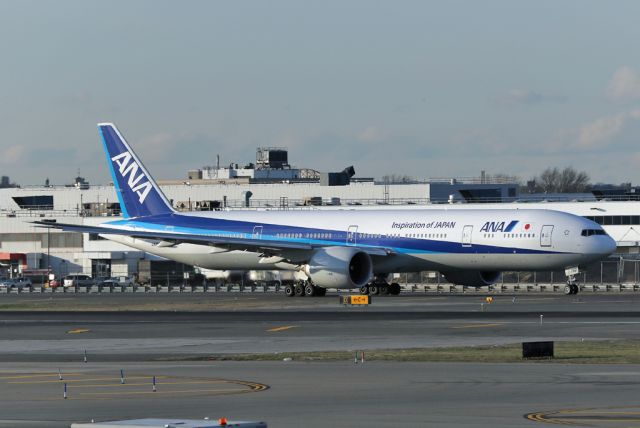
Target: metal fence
(609, 275)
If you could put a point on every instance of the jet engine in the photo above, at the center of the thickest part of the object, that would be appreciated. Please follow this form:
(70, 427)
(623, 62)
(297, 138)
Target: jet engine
(339, 267)
(473, 278)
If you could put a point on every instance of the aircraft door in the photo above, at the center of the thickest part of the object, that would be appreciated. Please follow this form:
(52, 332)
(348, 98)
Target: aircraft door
(545, 236)
(257, 232)
(466, 235)
(351, 235)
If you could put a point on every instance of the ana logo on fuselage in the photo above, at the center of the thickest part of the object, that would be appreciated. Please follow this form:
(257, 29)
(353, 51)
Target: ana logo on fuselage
(129, 167)
(498, 226)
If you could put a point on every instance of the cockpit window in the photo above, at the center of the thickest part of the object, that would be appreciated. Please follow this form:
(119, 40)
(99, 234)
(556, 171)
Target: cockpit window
(591, 232)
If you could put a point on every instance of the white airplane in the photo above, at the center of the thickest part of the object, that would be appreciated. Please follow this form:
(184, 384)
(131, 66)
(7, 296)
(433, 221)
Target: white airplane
(344, 249)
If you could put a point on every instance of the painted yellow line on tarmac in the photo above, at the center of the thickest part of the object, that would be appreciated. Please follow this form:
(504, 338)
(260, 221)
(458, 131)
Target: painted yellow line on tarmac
(95, 379)
(78, 331)
(187, 391)
(574, 417)
(33, 376)
(478, 325)
(540, 417)
(283, 328)
(123, 385)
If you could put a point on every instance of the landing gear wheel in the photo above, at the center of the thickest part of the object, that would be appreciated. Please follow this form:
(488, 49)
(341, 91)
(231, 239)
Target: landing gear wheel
(373, 289)
(394, 289)
(321, 291)
(575, 289)
(384, 289)
(309, 290)
(568, 289)
(299, 290)
(364, 290)
(290, 290)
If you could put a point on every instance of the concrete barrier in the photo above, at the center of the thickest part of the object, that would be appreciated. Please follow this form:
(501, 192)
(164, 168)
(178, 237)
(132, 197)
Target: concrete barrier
(430, 288)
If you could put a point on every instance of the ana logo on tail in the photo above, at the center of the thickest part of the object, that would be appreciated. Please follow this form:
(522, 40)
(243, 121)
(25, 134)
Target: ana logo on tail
(128, 166)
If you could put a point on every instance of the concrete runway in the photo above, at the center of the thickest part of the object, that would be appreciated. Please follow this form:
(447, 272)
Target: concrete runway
(318, 395)
(33, 345)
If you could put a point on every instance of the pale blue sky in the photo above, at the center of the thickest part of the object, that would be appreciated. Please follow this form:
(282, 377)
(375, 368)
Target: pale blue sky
(429, 89)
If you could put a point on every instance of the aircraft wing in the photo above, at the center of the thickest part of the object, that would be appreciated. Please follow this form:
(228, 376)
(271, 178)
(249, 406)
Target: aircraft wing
(269, 246)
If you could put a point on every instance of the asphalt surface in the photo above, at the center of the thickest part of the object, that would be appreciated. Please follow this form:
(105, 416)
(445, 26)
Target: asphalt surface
(315, 395)
(34, 345)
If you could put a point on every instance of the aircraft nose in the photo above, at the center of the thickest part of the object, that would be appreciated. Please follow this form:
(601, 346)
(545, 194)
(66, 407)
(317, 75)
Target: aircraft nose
(608, 245)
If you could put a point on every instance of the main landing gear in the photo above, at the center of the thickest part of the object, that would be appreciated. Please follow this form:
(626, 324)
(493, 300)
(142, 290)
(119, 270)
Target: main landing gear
(304, 288)
(382, 288)
(571, 287)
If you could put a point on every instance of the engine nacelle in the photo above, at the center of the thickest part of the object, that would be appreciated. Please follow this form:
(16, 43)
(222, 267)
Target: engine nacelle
(473, 278)
(339, 267)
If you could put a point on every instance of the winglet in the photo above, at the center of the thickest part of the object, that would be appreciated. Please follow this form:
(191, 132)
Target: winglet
(138, 193)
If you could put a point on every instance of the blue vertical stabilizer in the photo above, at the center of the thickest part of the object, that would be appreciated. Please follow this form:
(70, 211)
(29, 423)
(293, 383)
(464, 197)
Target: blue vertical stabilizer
(138, 193)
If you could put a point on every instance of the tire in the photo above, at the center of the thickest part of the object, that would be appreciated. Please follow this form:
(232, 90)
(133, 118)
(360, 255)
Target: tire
(373, 290)
(574, 289)
(321, 291)
(299, 290)
(384, 290)
(364, 290)
(290, 291)
(394, 289)
(568, 289)
(310, 290)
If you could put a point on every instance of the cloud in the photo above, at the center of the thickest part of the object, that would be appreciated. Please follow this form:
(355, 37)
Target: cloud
(12, 155)
(372, 134)
(625, 84)
(79, 98)
(161, 141)
(53, 155)
(599, 133)
(477, 141)
(528, 97)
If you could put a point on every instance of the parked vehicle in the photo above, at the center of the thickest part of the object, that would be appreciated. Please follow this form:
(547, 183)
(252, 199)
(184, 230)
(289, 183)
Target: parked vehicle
(78, 280)
(117, 280)
(18, 283)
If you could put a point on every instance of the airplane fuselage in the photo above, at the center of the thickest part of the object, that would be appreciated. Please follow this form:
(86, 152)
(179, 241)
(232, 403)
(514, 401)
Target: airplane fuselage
(417, 239)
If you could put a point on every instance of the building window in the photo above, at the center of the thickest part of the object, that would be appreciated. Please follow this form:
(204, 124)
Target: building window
(43, 202)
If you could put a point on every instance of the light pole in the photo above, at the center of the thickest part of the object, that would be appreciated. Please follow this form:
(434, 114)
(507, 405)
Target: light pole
(49, 247)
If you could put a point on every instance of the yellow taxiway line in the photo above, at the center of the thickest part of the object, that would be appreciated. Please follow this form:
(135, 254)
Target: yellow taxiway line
(478, 325)
(283, 328)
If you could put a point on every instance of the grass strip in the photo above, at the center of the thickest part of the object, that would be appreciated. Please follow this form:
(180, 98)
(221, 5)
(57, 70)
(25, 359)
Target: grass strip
(579, 352)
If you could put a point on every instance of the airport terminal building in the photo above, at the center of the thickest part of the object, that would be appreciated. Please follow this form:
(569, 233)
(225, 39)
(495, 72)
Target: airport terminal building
(269, 184)
(27, 247)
